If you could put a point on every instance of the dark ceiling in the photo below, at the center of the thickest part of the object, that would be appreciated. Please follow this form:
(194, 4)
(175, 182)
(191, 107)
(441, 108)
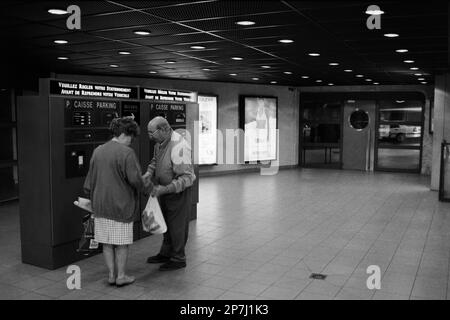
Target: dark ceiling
(336, 30)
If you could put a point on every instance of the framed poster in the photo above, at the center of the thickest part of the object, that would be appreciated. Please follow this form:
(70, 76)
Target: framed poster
(208, 129)
(259, 119)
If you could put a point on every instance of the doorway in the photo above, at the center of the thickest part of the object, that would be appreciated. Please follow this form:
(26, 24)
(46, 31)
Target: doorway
(399, 140)
(359, 132)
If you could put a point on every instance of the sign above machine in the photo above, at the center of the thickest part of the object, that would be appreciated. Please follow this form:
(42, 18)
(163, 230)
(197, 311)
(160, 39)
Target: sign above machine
(78, 89)
(167, 95)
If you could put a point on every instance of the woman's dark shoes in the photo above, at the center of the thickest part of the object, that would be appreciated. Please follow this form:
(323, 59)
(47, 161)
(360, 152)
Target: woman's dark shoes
(172, 265)
(158, 259)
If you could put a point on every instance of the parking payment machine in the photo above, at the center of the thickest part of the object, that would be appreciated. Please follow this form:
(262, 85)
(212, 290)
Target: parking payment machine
(58, 132)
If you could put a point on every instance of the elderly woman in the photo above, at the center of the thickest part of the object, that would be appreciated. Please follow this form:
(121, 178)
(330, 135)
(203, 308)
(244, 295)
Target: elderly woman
(113, 183)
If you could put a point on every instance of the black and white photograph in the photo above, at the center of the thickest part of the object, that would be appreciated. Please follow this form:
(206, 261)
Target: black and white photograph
(232, 158)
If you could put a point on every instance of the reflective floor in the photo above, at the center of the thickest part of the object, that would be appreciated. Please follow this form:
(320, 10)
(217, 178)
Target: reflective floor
(261, 237)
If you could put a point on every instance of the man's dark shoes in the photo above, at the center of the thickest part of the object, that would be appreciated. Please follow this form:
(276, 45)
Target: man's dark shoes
(158, 259)
(172, 265)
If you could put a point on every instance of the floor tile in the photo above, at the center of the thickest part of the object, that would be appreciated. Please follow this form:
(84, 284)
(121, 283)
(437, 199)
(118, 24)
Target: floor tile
(322, 287)
(354, 294)
(249, 287)
(278, 293)
(324, 223)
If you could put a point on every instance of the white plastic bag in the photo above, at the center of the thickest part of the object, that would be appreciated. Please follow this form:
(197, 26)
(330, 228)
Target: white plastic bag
(152, 218)
(84, 204)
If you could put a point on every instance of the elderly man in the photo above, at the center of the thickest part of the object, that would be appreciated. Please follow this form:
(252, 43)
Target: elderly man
(173, 174)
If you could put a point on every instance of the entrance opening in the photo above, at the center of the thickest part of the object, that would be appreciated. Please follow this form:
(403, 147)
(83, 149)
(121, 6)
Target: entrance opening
(399, 135)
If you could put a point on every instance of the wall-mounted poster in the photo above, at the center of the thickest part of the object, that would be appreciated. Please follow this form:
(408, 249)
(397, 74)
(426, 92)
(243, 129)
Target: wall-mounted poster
(208, 129)
(258, 117)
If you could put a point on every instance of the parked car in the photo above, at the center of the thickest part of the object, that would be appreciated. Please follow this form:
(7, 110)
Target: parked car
(399, 132)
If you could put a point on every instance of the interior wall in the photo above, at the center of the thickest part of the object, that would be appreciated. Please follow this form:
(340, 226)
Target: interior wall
(228, 112)
(427, 154)
(288, 110)
(441, 122)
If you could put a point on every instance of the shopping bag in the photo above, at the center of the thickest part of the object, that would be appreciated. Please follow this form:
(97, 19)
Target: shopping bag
(152, 218)
(87, 244)
(84, 204)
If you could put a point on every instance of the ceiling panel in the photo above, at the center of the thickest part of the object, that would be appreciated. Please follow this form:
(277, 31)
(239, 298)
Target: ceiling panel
(38, 10)
(101, 22)
(158, 29)
(216, 9)
(261, 20)
(336, 30)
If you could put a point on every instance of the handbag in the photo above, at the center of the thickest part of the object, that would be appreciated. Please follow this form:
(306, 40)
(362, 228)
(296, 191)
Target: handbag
(152, 217)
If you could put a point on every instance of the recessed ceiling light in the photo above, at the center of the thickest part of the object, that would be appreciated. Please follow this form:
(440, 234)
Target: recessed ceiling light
(124, 52)
(333, 64)
(420, 79)
(61, 41)
(375, 12)
(318, 80)
(408, 61)
(287, 72)
(305, 77)
(348, 70)
(198, 47)
(400, 101)
(376, 83)
(391, 35)
(423, 82)
(368, 80)
(206, 69)
(359, 76)
(245, 23)
(63, 58)
(141, 32)
(233, 74)
(331, 84)
(418, 74)
(152, 72)
(237, 58)
(113, 65)
(286, 41)
(314, 54)
(57, 11)
(255, 79)
(170, 61)
(265, 67)
(273, 82)
(414, 68)
(401, 50)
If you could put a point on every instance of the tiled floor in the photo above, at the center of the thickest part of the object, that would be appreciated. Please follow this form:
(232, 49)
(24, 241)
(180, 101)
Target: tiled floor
(260, 237)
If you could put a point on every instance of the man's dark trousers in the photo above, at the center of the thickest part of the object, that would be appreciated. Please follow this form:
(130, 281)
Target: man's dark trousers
(176, 209)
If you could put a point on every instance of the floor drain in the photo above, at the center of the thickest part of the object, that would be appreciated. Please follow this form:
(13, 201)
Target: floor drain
(318, 276)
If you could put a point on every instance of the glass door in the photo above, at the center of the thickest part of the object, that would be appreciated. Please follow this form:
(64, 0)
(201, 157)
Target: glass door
(320, 134)
(399, 136)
